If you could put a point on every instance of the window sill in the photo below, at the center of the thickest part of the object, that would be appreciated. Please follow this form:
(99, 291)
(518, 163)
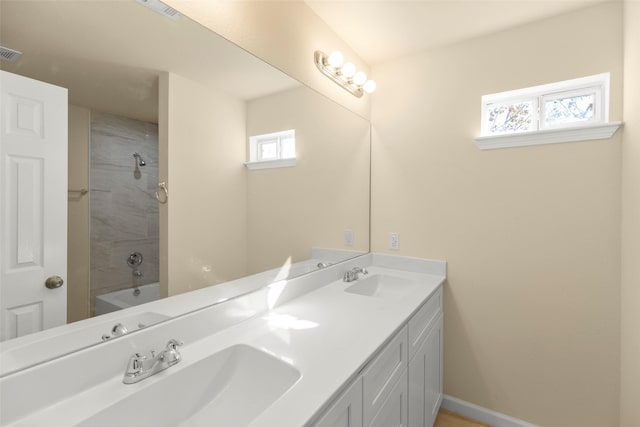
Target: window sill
(552, 136)
(271, 164)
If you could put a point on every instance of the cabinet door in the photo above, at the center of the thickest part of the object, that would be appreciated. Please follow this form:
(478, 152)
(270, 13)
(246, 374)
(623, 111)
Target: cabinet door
(346, 411)
(423, 320)
(393, 412)
(382, 373)
(425, 379)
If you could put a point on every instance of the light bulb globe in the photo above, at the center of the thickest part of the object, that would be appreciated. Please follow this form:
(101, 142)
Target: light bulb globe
(369, 86)
(359, 78)
(348, 70)
(335, 59)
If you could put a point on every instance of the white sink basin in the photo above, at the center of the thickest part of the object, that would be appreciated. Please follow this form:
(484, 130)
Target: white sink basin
(228, 388)
(382, 286)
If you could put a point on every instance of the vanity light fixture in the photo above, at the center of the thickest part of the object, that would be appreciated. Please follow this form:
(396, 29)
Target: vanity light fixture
(344, 74)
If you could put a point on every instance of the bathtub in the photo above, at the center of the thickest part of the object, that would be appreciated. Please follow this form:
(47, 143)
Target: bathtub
(125, 298)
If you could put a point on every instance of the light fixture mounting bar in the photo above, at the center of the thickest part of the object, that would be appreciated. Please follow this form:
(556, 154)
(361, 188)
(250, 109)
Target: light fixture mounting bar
(320, 59)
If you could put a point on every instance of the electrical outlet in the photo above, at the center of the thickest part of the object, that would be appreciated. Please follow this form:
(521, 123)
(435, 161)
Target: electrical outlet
(348, 237)
(394, 241)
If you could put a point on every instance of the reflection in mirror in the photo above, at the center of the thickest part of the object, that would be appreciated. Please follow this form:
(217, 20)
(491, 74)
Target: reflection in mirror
(150, 100)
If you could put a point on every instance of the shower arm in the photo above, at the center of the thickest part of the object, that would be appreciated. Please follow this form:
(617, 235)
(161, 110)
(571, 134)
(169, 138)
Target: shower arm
(139, 160)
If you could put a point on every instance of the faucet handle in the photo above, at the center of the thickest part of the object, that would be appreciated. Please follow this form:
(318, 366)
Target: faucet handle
(173, 344)
(136, 363)
(171, 355)
(351, 275)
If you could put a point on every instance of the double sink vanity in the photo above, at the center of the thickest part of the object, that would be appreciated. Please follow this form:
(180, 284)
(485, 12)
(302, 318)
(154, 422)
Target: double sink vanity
(357, 343)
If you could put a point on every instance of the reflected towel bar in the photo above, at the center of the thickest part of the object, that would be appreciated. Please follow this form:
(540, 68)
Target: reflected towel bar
(82, 191)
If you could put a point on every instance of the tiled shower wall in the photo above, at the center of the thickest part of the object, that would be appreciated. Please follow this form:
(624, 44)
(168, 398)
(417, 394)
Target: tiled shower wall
(123, 206)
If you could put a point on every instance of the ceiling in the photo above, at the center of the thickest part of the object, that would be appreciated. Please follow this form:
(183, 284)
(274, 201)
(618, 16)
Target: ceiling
(381, 30)
(72, 43)
(109, 54)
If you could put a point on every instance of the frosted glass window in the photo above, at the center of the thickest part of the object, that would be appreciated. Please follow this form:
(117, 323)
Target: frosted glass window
(277, 149)
(569, 109)
(288, 148)
(554, 106)
(268, 150)
(510, 118)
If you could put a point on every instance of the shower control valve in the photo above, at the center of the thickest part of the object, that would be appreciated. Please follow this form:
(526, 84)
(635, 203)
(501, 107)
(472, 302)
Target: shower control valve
(134, 259)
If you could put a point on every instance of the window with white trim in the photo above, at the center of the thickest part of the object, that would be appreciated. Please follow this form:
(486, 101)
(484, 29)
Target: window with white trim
(566, 111)
(272, 150)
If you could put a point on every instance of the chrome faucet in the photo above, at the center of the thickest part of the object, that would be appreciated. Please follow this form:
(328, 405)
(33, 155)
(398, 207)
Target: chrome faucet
(141, 366)
(352, 275)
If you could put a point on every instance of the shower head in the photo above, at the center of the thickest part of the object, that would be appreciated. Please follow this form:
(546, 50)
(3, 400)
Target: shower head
(139, 161)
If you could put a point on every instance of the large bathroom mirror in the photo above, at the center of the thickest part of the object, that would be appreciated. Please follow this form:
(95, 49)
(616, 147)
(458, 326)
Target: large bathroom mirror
(161, 99)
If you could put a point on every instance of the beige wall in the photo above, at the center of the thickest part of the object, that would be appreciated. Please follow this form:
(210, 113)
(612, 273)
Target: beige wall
(531, 234)
(78, 215)
(630, 294)
(285, 34)
(293, 209)
(203, 132)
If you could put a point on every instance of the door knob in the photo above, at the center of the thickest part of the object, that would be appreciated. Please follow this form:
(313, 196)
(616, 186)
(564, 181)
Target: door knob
(53, 282)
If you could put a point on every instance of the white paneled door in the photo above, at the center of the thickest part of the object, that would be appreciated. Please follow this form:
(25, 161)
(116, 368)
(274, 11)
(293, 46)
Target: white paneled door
(33, 205)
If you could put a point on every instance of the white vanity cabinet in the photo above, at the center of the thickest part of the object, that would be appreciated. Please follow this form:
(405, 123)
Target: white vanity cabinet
(378, 397)
(425, 379)
(393, 411)
(402, 385)
(425, 365)
(380, 376)
(346, 410)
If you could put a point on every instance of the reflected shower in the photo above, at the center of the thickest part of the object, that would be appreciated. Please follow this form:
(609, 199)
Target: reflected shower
(139, 161)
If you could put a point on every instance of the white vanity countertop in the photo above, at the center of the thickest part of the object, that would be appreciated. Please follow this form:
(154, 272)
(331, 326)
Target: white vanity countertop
(23, 352)
(327, 334)
(350, 328)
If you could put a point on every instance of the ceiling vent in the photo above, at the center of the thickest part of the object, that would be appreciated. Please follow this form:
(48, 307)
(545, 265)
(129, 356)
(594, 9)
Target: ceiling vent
(10, 55)
(161, 8)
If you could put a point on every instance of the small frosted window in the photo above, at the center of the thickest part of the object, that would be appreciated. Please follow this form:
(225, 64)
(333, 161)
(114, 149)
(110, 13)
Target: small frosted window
(268, 150)
(554, 106)
(510, 117)
(288, 148)
(276, 149)
(569, 109)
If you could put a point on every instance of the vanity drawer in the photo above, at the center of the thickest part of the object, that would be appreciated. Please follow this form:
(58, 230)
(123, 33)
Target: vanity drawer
(382, 373)
(423, 320)
(394, 410)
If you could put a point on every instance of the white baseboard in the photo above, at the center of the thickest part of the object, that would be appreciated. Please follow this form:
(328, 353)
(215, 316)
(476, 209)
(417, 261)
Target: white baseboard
(484, 415)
